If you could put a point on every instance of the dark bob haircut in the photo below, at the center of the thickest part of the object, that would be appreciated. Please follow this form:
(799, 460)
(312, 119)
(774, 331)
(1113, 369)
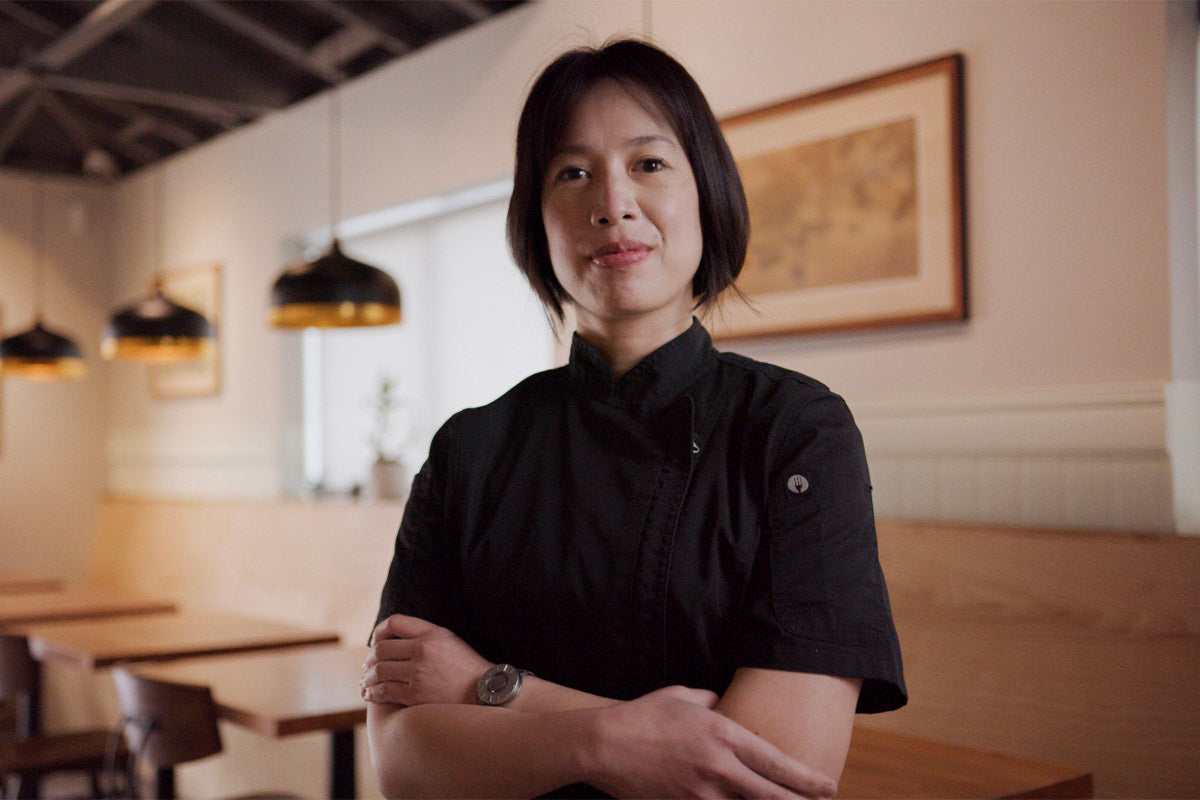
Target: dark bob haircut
(651, 75)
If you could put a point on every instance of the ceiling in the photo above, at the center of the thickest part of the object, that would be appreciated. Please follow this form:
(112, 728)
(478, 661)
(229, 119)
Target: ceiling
(101, 88)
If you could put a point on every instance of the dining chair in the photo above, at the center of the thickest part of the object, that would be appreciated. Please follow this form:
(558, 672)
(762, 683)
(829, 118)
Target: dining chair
(166, 724)
(29, 755)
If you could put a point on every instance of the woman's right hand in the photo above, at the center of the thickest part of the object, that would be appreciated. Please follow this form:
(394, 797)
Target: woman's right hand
(670, 743)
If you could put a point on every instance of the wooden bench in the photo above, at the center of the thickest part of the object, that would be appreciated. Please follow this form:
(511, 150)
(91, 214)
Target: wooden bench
(1077, 649)
(1081, 649)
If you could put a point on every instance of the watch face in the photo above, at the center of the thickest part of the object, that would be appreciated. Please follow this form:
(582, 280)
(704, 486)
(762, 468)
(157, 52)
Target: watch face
(499, 685)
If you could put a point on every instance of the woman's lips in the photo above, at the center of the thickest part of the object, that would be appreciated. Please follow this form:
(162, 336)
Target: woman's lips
(620, 254)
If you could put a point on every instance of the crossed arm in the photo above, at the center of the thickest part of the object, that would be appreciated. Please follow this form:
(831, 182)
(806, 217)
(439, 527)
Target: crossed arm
(772, 734)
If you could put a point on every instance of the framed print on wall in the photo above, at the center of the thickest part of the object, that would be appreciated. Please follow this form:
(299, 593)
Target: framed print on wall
(198, 288)
(856, 206)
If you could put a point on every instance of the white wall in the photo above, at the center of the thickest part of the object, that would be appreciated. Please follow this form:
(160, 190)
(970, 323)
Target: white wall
(1067, 209)
(1066, 176)
(52, 434)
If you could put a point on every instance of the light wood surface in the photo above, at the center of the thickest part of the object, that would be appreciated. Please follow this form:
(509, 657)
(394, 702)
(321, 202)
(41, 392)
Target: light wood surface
(279, 693)
(1075, 648)
(893, 765)
(13, 582)
(100, 643)
(74, 603)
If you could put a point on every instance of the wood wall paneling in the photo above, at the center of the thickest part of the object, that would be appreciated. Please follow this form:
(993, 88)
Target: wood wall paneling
(1075, 648)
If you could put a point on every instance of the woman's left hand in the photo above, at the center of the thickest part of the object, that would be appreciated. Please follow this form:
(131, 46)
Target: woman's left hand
(413, 661)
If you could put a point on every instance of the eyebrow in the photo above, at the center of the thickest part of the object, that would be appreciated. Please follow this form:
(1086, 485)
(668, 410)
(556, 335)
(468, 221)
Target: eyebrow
(637, 141)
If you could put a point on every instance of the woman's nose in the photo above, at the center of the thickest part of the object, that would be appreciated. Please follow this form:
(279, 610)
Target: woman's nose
(614, 201)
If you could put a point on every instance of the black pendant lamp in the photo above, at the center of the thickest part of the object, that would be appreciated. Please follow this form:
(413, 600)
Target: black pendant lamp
(156, 329)
(334, 291)
(39, 353)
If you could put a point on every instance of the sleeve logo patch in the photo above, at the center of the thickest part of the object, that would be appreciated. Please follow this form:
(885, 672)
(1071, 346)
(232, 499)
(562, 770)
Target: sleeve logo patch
(797, 484)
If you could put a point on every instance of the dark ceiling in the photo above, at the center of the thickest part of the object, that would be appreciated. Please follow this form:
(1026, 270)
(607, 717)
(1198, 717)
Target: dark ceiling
(104, 87)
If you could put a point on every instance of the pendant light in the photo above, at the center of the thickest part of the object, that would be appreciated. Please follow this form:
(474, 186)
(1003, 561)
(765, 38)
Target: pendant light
(39, 353)
(334, 291)
(156, 329)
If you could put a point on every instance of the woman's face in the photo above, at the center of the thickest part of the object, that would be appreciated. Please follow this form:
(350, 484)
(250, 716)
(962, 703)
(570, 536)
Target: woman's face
(622, 214)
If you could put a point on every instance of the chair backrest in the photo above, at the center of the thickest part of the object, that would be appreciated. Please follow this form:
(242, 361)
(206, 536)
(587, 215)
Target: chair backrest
(167, 723)
(18, 670)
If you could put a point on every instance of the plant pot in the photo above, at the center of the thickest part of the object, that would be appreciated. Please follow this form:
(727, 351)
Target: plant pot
(389, 480)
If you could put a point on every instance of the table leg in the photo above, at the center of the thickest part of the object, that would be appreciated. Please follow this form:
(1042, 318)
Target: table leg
(29, 726)
(164, 783)
(29, 706)
(341, 765)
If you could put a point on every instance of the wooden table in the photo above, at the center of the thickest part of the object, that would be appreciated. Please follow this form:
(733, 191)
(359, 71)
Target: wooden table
(892, 765)
(74, 603)
(97, 643)
(67, 603)
(13, 582)
(284, 693)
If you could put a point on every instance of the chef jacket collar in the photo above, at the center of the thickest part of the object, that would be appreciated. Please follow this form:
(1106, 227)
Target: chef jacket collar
(655, 381)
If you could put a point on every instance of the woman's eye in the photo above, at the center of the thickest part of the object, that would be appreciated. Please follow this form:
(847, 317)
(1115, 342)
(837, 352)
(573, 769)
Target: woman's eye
(571, 173)
(652, 164)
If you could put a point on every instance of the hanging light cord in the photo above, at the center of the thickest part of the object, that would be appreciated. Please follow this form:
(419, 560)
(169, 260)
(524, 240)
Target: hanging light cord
(335, 158)
(647, 21)
(39, 271)
(157, 242)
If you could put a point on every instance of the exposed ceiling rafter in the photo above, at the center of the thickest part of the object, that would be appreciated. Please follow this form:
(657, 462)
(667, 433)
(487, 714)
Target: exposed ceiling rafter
(340, 12)
(268, 39)
(99, 88)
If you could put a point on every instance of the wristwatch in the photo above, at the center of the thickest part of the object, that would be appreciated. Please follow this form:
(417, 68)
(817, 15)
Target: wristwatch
(499, 685)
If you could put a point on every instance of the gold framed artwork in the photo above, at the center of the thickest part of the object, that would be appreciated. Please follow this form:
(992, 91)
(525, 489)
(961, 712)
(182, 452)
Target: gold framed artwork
(198, 288)
(856, 206)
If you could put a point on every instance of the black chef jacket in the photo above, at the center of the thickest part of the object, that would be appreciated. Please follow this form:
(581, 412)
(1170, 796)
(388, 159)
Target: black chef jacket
(703, 512)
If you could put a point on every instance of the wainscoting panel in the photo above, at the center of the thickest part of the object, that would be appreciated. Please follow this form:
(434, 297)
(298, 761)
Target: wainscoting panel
(1091, 457)
(195, 463)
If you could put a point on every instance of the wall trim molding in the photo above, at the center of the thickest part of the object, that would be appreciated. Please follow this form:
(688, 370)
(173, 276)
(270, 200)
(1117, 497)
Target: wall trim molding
(1090, 456)
(1123, 418)
(199, 461)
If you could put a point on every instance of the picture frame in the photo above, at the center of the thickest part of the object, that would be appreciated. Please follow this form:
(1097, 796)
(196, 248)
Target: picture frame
(857, 206)
(198, 288)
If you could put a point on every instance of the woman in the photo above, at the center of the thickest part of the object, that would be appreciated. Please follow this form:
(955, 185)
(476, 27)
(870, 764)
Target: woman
(651, 572)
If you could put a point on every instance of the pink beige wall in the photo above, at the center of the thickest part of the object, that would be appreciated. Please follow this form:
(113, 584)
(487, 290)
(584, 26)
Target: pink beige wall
(1066, 175)
(52, 434)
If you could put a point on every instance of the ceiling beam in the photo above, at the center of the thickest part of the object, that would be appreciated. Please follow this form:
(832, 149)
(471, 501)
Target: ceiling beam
(12, 131)
(226, 113)
(343, 45)
(393, 44)
(137, 122)
(100, 23)
(473, 9)
(29, 19)
(134, 151)
(268, 39)
(67, 121)
(142, 124)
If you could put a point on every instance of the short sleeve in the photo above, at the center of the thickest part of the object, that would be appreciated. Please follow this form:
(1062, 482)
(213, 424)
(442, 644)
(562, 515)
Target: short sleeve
(818, 601)
(424, 578)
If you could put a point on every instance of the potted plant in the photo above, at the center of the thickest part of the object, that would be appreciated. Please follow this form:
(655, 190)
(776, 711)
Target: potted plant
(389, 478)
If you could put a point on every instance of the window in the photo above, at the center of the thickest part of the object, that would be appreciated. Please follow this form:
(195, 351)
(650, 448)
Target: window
(472, 328)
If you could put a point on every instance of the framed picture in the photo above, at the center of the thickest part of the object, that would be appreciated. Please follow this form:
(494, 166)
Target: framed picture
(856, 206)
(198, 288)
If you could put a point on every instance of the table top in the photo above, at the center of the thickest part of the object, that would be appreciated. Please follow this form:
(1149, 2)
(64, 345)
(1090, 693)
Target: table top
(885, 764)
(97, 643)
(74, 603)
(13, 582)
(279, 693)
